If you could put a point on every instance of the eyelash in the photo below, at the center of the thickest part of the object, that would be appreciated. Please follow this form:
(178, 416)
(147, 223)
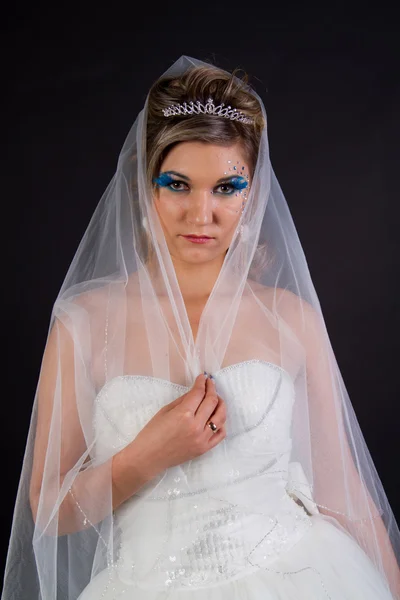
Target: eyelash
(232, 187)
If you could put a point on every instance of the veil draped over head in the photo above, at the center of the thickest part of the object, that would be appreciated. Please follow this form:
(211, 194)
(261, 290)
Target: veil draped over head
(118, 316)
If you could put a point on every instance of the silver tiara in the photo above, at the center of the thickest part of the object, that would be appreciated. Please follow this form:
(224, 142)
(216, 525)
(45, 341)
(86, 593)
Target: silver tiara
(197, 108)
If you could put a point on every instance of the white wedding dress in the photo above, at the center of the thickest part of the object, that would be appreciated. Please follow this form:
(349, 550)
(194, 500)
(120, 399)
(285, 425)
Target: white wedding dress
(188, 534)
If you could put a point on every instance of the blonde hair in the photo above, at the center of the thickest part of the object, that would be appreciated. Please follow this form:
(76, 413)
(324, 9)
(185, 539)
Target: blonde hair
(200, 83)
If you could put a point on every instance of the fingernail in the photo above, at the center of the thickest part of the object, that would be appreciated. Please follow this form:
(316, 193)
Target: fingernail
(211, 377)
(205, 374)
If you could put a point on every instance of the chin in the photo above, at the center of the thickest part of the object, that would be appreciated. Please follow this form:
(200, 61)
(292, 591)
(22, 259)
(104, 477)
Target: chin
(197, 256)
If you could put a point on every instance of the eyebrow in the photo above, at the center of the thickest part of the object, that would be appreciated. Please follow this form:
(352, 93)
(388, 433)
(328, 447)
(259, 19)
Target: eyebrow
(175, 173)
(227, 178)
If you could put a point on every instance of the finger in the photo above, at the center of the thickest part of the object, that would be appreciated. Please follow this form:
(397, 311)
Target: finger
(194, 397)
(217, 437)
(218, 417)
(209, 403)
(178, 401)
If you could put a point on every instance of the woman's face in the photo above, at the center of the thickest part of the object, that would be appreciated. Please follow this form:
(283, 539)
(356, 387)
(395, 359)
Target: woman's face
(200, 193)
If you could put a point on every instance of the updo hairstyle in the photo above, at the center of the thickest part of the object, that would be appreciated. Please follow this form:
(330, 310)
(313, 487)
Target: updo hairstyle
(201, 83)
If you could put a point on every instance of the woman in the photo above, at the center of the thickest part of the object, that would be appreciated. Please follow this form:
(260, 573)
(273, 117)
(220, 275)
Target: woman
(192, 435)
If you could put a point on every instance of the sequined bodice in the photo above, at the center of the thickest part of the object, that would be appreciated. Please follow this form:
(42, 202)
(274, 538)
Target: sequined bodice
(223, 514)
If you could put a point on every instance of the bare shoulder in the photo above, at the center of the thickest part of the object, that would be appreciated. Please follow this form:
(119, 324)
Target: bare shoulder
(275, 296)
(106, 296)
(287, 305)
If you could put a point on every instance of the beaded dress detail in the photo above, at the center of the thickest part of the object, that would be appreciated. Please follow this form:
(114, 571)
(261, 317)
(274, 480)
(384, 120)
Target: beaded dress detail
(224, 525)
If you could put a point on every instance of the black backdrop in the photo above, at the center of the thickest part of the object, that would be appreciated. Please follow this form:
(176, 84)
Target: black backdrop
(73, 85)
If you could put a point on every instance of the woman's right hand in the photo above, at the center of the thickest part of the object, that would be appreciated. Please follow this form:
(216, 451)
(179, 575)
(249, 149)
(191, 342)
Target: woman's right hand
(180, 430)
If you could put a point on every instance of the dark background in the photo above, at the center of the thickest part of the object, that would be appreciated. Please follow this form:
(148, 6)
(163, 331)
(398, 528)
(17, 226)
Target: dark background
(73, 85)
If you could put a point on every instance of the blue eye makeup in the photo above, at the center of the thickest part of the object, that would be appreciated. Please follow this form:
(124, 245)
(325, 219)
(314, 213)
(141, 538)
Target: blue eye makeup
(239, 183)
(163, 180)
(166, 180)
(236, 184)
(169, 180)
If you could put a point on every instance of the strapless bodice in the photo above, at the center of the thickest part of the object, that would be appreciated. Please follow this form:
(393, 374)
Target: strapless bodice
(222, 514)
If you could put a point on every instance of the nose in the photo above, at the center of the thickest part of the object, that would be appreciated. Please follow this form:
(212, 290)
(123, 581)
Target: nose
(200, 208)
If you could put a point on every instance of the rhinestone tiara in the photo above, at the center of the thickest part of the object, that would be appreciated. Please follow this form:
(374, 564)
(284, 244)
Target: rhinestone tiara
(197, 108)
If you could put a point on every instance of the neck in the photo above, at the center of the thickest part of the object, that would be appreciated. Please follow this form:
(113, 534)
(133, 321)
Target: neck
(196, 281)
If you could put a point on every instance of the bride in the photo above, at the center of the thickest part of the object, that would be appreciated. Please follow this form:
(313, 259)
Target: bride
(192, 436)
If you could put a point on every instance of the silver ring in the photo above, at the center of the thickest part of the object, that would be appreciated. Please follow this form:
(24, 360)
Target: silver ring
(212, 426)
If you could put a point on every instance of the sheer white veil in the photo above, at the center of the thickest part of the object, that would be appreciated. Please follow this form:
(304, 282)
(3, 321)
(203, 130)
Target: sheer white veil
(113, 317)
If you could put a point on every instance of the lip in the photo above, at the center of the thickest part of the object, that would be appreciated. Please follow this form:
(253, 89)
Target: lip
(198, 239)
